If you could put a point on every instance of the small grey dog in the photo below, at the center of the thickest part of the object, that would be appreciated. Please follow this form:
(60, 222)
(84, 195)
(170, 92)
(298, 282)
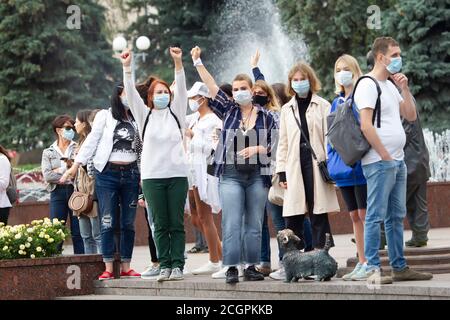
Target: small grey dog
(303, 265)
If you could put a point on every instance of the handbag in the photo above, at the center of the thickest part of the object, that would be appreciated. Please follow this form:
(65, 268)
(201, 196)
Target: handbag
(11, 191)
(276, 193)
(321, 164)
(210, 166)
(80, 202)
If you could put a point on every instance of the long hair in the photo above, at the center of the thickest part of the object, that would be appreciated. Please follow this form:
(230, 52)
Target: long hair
(5, 152)
(273, 104)
(353, 65)
(280, 92)
(143, 88)
(308, 72)
(117, 108)
(83, 117)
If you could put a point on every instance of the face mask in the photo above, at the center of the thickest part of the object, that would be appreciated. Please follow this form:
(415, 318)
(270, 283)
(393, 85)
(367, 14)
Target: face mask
(124, 101)
(242, 97)
(261, 100)
(300, 87)
(161, 101)
(344, 78)
(68, 134)
(395, 66)
(194, 105)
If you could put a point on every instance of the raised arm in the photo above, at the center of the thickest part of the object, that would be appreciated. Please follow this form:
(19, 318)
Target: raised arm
(135, 102)
(206, 77)
(257, 74)
(180, 100)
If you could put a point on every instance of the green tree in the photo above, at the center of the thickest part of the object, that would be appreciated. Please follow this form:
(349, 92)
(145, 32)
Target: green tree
(423, 31)
(330, 29)
(49, 69)
(167, 23)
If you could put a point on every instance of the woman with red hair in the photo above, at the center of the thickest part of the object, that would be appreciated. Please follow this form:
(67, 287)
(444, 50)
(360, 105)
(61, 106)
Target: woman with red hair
(164, 168)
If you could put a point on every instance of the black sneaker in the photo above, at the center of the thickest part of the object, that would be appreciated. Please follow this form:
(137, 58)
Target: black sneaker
(251, 274)
(232, 275)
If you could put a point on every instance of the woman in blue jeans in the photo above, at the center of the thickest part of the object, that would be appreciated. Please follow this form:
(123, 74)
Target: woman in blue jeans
(56, 160)
(115, 141)
(243, 165)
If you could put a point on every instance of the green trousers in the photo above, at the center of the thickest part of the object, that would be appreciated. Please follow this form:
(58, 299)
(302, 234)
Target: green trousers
(166, 199)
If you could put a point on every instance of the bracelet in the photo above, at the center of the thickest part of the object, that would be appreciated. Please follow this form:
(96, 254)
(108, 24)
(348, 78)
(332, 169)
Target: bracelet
(198, 62)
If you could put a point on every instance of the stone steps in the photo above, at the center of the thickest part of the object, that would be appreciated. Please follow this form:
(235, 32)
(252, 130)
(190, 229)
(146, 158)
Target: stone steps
(203, 287)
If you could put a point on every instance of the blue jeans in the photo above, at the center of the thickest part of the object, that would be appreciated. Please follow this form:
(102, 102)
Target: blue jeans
(117, 191)
(276, 213)
(265, 241)
(90, 232)
(59, 208)
(243, 197)
(386, 201)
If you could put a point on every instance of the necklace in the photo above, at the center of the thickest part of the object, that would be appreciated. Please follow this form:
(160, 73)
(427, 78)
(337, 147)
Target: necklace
(246, 120)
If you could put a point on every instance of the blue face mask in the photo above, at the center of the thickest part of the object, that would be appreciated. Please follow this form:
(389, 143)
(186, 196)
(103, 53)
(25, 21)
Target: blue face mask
(395, 66)
(300, 87)
(242, 97)
(68, 134)
(124, 101)
(161, 101)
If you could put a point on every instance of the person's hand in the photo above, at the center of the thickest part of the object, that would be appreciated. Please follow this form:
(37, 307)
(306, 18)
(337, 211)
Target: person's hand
(141, 203)
(283, 185)
(126, 57)
(196, 53)
(400, 81)
(255, 59)
(248, 152)
(69, 174)
(189, 133)
(176, 53)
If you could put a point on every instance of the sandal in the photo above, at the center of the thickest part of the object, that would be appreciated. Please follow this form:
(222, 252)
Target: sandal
(195, 250)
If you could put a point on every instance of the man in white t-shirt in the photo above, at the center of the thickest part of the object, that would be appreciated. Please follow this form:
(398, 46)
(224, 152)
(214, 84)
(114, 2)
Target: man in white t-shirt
(384, 166)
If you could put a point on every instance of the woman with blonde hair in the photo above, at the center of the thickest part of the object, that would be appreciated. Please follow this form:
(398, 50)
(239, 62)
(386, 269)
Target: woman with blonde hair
(350, 180)
(303, 124)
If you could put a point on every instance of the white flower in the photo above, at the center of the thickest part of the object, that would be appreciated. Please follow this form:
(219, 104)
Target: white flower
(27, 245)
(46, 236)
(50, 240)
(18, 236)
(41, 235)
(5, 248)
(21, 252)
(30, 230)
(30, 239)
(32, 256)
(38, 249)
(22, 247)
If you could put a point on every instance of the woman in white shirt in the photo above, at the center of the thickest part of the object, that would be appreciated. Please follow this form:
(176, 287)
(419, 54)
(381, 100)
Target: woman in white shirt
(204, 191)
(164, 167)
(5, 171)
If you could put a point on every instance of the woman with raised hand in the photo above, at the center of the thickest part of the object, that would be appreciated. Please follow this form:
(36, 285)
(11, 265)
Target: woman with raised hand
(303, 124)
(164, 169)
(242, 161)
(114, 143)
(350, 180)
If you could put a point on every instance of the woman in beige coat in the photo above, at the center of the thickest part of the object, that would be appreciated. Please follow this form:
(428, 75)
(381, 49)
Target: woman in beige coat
(299, 172)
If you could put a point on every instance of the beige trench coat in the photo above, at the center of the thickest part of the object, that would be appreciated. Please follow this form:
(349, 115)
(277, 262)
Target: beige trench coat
(288, 158)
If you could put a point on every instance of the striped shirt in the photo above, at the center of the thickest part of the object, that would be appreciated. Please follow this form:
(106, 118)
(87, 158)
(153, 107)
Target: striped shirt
(229, 112)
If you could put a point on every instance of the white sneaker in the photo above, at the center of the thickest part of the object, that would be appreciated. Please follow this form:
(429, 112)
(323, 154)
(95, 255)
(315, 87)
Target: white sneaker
(348, 276)
(151, 272)
(208, 268)
(280, 274)
(221, 274)
(176, 274)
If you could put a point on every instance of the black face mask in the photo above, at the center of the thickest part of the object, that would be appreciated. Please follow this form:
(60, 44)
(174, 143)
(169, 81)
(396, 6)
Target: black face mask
(261, 100)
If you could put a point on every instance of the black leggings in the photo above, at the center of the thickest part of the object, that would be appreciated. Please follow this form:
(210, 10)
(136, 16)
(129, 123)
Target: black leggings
(319, 222)
(151, 242)
(4, 214)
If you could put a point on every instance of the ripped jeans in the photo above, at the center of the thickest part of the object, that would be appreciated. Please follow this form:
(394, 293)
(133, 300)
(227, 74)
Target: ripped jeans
(117, 188)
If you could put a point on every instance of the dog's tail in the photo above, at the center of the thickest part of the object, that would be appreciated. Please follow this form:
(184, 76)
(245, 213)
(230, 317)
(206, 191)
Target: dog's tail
(327, 242)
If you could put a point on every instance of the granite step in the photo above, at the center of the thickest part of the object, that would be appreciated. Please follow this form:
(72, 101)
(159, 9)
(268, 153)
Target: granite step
(412, 260)
(203, 287)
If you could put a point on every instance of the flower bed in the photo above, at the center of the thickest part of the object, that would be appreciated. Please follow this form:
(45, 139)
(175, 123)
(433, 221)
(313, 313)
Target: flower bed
(31, 265)
(41, 238)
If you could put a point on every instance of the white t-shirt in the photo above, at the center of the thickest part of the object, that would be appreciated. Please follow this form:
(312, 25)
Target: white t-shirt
(391, 132)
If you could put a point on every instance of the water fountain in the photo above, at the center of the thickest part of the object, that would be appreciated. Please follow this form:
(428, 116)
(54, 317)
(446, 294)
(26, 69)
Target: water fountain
(439, 148)
(246, 25)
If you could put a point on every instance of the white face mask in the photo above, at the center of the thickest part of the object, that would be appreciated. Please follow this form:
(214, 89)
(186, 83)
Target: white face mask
(344, 78)
(194, 105)
(242, 97)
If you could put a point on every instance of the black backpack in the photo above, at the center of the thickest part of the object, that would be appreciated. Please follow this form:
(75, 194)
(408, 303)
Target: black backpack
(148, 117)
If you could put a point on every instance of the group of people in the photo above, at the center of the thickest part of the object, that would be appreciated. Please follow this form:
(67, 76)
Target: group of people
(240, 140)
